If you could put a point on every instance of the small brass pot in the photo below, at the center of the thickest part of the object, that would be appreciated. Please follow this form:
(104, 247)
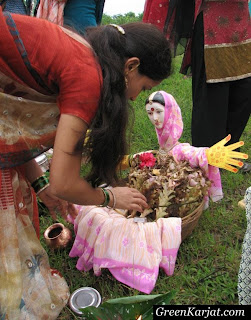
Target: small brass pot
(57, 236)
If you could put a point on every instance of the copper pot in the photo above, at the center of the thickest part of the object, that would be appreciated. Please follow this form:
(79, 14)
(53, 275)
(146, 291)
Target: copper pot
(57, 236)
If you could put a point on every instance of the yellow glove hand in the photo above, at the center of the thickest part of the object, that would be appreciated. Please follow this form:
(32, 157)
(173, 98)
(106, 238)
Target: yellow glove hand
(223, 157)
(125, 163)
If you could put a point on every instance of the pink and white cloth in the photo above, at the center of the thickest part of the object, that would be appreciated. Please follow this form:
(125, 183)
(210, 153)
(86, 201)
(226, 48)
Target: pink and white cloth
(168, 138)
(133, 252)
(52, 10)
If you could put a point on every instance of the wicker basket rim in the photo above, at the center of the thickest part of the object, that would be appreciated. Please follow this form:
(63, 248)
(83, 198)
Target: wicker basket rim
(194, 214)
(189, 222)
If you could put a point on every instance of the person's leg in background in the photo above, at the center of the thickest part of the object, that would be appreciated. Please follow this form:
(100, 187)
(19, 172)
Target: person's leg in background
(239, 107)
(239, 111)
(244, 275)
(219, 108)
(210, 112)
(210, 101)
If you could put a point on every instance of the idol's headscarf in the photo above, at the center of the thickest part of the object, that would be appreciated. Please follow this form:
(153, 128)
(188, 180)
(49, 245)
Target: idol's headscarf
(172, 129)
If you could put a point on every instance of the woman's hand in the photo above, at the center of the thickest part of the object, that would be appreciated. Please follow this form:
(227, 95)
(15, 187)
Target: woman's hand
(129, 199)
(56, 205)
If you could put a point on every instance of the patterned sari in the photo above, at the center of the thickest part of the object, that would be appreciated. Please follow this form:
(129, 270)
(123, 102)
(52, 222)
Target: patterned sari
(29, 288)
(227, 33)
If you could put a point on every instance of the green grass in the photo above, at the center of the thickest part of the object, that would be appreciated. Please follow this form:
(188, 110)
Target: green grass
(208, 261)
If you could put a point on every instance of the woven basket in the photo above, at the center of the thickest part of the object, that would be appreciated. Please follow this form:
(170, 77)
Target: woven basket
(190, 221)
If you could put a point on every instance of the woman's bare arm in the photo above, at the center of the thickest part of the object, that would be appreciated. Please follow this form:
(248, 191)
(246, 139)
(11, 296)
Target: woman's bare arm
(65, 180)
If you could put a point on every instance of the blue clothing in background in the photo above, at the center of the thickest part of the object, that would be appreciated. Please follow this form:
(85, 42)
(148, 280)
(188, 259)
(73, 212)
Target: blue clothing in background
(26, 7)
(15, 6)
(99, 10)
(80, 14)
(249, 7)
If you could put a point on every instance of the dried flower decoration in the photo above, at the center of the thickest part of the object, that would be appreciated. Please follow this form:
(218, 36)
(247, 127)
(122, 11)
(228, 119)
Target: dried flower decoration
(172, 189)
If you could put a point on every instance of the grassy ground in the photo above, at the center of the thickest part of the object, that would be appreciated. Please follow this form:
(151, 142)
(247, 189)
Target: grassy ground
(208, 261)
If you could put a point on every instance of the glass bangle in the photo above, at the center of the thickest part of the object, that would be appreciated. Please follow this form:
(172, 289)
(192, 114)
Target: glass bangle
(107, 198)
(40, 183)
(114, 200)
(39, 191)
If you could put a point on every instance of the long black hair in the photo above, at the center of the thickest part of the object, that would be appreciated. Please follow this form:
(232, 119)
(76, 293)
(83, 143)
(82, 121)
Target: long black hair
(107, 139)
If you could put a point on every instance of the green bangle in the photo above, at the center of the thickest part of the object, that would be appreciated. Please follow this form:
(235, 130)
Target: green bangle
(107, 198)
(39, 191)
(40, 184)
(114, 200)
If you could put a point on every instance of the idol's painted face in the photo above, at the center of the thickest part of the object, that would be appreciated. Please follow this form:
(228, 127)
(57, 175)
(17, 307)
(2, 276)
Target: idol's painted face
(156, 114)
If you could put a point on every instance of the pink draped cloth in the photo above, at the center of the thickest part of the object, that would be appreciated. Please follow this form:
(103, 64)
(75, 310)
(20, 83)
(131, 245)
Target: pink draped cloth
(168, 138)
(133, 252)
(52, 10)
(172, 129)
